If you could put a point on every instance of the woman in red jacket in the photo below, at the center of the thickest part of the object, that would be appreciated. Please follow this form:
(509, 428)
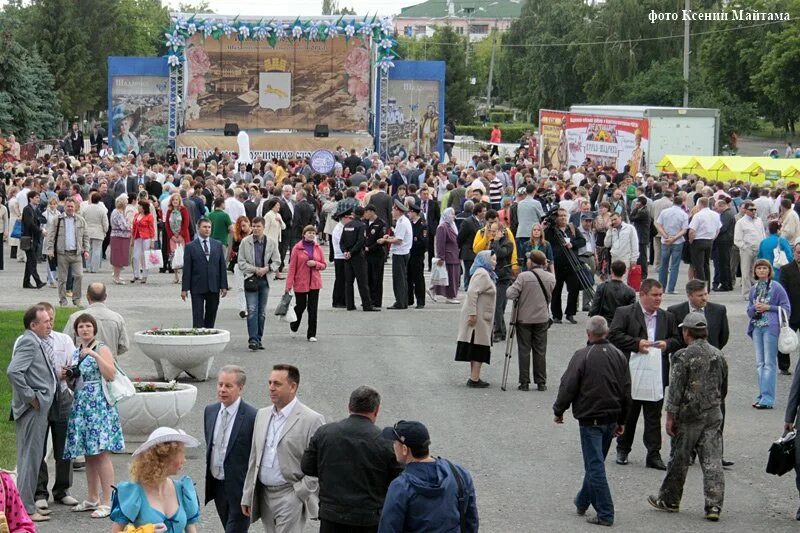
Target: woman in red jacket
(177, 226)
(143, 233)
(305, 264)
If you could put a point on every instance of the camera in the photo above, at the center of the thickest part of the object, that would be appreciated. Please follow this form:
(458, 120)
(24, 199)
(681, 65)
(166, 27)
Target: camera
(73, 372)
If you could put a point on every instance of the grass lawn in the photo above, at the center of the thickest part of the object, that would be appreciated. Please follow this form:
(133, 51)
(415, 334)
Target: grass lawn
(10, 328)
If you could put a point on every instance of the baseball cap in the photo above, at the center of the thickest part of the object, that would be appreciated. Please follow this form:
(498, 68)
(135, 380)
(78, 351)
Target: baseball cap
(587, 216)
(412, 434)
(694, 320)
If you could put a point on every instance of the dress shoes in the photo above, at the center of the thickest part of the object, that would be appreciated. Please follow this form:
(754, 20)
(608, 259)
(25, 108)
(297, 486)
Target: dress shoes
(480, 384)
(524, 387)
(571, 319)
(371, 310)
(656, 463)
(622, 457)
(541, 387)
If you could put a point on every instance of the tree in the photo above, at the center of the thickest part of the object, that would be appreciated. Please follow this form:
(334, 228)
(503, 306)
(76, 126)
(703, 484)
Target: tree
(331, 7)
(195, 7)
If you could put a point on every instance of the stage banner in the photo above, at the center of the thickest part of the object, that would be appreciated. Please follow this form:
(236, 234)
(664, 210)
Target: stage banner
(138, 104)
(607, 141)
(268, 146)
(295, 85)
(553, 132)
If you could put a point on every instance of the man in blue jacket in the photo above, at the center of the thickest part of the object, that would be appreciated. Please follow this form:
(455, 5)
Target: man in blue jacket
(431, 495)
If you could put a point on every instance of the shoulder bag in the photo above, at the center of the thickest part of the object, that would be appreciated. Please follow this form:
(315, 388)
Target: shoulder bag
(462, 497)
(781, 455)
(779, 258)
(787, 338)
(546, 298)
(119, 388)
(251, 282)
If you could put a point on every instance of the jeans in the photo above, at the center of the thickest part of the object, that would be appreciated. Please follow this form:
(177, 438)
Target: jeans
(766, 364)
(96, 254)
(595, 442)
(256, 311)
(670, 264)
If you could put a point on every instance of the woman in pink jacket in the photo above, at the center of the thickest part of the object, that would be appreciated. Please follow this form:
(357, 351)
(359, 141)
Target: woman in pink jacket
(305, 264)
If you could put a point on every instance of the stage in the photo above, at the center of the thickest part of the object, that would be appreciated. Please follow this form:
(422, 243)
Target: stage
(278, 144)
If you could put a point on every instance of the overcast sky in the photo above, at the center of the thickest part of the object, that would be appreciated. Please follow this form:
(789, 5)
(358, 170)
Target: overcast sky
(304, 8)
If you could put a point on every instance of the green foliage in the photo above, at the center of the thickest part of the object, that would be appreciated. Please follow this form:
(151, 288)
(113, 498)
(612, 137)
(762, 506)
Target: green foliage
(28, 101)
(331, 7)
(10, 328)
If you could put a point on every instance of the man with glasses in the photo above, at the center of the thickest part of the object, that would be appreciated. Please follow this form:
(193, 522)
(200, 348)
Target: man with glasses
(747, 235)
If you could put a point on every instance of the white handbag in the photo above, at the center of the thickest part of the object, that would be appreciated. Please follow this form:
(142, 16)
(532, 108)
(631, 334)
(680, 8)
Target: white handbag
(120, 388)
(177, 257)
(779, 258)
(787, 339)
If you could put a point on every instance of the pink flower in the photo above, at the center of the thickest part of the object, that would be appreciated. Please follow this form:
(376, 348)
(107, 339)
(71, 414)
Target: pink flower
(199, 63)
(357, 88)
(357, 63)
(197, 85)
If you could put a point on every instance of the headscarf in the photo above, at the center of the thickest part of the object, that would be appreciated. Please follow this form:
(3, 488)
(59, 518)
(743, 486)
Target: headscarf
(449, 219)
(483, 260)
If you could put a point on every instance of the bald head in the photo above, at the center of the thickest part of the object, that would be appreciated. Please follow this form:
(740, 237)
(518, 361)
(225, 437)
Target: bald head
(96, 292)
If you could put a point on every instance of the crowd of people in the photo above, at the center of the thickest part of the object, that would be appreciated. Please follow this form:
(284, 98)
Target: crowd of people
(492, 229)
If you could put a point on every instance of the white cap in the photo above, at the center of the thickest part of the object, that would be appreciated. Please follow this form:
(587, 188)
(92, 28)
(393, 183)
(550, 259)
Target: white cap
(165, 434)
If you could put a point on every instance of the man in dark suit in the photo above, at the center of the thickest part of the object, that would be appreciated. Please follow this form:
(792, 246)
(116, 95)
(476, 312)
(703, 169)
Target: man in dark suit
(382, 202)
(375, 253)
(716, 318)
(637, 328)
(204, 275)
(31, 229)
(96, 137)
(721, 249)
(431, 214)
(75, 140)
(352, 161)
(229, 435)
(790, 279)
(466, 237)
(354, 465)
(305, 214)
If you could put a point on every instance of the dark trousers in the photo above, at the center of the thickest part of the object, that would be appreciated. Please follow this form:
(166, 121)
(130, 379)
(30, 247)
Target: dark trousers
(595, 442)
(375, 264)
(330, 248)
(339, 283)
(642, 261)
(652, 426)
(431, 247)
(355, 269)
(400, 280)
(500, 308)
(721, 254)
(30, 269)
(204, 309)
(568, 277)
(532, 337)
(700, 254)
(326, 526)
(283, 246)
(58, 431)
(494, 151)
(229, 509)
(306, 300)
(416, 279)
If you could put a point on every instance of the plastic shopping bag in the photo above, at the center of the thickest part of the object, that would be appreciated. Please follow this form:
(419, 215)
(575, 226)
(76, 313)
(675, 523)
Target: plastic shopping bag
(646, 382)
(153, 259)
(177, 257)
(439, 275)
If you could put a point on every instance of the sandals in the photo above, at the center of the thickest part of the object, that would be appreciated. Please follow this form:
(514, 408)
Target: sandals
(85, 506)
(102, 512)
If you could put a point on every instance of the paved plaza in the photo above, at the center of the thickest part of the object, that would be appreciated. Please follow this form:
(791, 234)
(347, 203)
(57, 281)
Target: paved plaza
(526, 469)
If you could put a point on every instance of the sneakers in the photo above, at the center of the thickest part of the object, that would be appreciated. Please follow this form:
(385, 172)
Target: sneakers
(453, 301)
(661, 505)
(713, 514)
(312, 339)
(431, 295)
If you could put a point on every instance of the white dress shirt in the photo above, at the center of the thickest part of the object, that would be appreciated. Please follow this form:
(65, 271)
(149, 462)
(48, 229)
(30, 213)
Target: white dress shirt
(234, 208)
(63, 349)
(706, 224)
(405, 233)
(336, 239)
(269, 473)
(218, 456)
(748, 233)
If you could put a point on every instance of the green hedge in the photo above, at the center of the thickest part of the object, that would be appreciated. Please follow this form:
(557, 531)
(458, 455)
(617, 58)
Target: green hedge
(511, 132)
(501, 117)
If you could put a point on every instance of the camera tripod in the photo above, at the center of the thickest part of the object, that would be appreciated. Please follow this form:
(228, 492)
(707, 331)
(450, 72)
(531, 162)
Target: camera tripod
(512, 329)
(585, 278)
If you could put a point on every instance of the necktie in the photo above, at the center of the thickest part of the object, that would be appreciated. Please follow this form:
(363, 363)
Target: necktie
(47, 345)
(219, 443)
(205, 248)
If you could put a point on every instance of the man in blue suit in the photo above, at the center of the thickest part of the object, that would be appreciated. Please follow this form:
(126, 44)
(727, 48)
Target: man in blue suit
(204, 275)
(229, 434)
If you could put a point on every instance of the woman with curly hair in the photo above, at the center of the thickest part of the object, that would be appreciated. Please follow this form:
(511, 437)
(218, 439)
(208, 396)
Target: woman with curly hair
(152, 497)
(241, 229)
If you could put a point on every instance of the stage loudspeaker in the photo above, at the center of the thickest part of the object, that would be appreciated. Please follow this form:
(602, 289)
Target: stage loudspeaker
(321, 130)
(231, 129)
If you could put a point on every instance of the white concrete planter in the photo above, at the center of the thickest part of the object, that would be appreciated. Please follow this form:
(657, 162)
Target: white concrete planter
(145, 411)
(174, 354)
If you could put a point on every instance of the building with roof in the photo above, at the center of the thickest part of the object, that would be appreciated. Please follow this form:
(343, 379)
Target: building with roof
(475, 18)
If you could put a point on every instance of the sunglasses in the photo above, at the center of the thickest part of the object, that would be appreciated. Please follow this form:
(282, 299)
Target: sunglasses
(396, 434)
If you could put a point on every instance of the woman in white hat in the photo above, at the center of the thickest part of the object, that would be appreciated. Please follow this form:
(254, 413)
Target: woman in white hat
(152, 497)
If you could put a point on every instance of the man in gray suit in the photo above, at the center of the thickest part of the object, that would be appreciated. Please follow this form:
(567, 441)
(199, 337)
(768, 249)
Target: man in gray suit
(34, 387)
(275, 489)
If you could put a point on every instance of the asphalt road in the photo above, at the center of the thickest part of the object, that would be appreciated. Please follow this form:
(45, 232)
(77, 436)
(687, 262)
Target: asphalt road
(526, 469)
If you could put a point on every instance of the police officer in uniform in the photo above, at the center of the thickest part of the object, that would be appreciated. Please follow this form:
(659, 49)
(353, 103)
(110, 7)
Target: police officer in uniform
(697, 387)
(416, 260)
(355, 264)
(375, 253)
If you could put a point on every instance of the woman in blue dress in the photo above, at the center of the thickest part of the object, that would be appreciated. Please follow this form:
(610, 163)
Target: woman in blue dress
(153, 497)
(94, 429)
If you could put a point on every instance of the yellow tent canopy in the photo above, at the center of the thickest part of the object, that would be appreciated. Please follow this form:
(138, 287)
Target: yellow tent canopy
(762, 168)
(677, 163)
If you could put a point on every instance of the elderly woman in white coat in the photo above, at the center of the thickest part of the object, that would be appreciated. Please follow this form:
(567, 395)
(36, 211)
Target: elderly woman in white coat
(96, 216)
(477, 318)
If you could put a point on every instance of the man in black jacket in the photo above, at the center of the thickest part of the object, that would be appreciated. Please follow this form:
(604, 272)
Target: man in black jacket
(641, 220)
(721, 249)
(355, 265)
(613, 293)
(382, 202)
(75, 140)
(466, 236)
(790, 279)
(416, 260)
(375, 254)
(635, 329)
(31, 229)
(430, 212)
(565, 274)
(352, 161)
(305, 214)
(286, 212)
(354, 465)
(597, 384)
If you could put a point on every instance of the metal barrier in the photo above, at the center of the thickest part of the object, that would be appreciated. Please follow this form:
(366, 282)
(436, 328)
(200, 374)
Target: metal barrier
(466, 147)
